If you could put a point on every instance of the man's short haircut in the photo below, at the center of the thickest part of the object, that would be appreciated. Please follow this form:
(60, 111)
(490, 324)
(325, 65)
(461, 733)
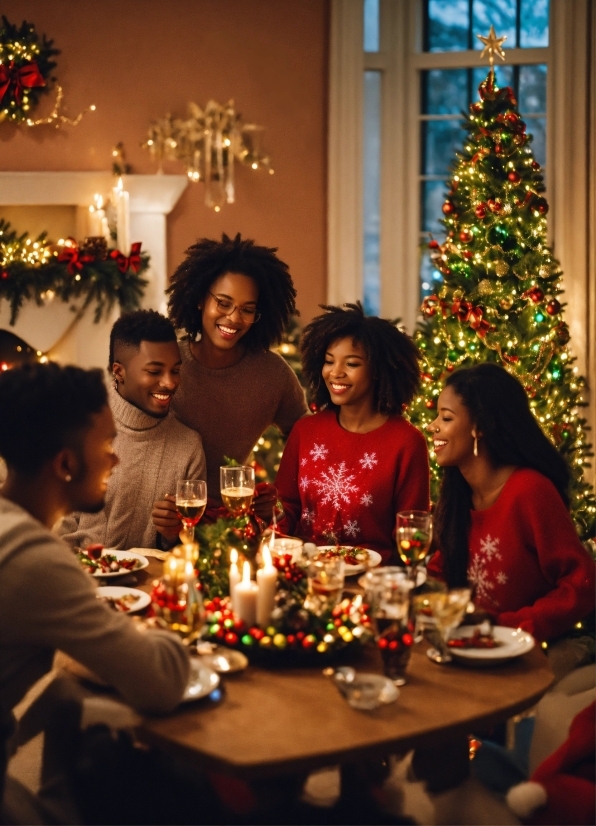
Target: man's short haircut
(43, 409)
(142, 325)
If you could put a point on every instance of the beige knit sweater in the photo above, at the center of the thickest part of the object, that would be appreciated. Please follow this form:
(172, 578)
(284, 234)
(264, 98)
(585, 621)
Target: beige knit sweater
(154, 454)
(232, 407)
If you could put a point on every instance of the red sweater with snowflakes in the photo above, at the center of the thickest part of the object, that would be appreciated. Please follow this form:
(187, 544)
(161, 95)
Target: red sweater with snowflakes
(526, 561)
(353, 483)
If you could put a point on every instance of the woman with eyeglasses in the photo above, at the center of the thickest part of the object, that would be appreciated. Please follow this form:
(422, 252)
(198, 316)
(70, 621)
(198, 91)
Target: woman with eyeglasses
(233, 299)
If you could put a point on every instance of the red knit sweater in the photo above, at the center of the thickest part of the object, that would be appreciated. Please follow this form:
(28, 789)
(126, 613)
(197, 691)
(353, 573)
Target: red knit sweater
(352, 482)
(526, 561)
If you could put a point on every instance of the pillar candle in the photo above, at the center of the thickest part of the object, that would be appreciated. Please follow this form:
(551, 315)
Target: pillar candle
(245, 595)
(234, 576)
(121, 203)
(267, 582)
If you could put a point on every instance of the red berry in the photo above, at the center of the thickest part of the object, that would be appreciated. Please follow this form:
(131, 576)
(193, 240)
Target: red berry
(231, 638)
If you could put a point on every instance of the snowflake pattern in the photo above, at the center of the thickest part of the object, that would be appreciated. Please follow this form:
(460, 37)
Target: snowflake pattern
(308, 516)
(366, 500)
(304, 483)
(336, 485)
(303, 461)
(479, 570)
(369, 461)
(318, 452)
(351, 528)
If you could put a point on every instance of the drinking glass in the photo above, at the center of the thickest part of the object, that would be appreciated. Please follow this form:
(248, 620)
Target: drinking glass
(237, 485)
(414, 535)
(176, 600)
(389, 598)
(325, 584)
(447, 609)
(191, 501)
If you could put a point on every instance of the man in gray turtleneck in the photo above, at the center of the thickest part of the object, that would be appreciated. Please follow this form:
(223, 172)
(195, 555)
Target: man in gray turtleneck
(154, 448)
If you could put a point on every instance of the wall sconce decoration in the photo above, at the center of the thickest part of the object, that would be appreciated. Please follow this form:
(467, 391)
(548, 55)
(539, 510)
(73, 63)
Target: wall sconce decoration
(207, 143)
(26, 63)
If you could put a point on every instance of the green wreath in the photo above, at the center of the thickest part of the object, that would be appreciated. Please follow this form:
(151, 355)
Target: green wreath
(25, 67)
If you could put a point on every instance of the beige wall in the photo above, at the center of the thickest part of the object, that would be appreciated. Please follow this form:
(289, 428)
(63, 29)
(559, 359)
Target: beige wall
(138, 59)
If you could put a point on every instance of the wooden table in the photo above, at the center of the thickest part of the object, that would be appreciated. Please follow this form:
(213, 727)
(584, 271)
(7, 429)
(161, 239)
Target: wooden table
(274, 722)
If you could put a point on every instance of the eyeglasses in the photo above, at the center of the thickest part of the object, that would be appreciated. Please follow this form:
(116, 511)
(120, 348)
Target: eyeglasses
(248, 314)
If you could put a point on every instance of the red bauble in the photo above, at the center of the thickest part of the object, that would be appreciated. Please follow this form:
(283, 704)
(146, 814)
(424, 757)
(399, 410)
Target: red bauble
(498, 148)
(494, 205)
(514, 177)
(231, 638)
(450, 368)
(553, 307)
(512, 117)
(480, 210)
(467, 254)
(535, 166)
(476, 108)
(434, 245)
(4, 274)
(541, 205)
(431, 404)
(466, 236)
(536, 295)
(448, 208)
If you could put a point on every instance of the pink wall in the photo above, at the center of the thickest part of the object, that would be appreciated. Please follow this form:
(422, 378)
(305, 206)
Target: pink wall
(138, 60)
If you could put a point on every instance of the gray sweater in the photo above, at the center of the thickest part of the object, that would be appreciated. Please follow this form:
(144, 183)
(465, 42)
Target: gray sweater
(154, 454)
(48, 602)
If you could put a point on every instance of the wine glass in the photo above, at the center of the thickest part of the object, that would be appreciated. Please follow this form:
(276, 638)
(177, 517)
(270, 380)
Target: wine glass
(447, 609)
(325, 584)
(388, 594)
(237, 485)
(191, 501)
(414, 535)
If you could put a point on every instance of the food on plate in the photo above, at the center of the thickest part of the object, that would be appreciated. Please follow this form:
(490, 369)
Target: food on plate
(481, 638)
(123, 604)
(107, 563)
(351, 556)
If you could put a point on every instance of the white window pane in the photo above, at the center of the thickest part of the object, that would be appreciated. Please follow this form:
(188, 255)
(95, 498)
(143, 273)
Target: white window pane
(372, 192)
(371, 25)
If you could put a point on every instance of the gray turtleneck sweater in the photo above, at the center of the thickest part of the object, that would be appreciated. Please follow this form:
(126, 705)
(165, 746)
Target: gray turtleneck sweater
(154, 454)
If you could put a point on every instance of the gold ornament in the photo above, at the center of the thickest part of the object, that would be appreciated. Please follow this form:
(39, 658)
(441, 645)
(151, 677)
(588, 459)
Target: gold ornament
(458, 295)
(544, 270)
(492, 47)
(506, 303)
(501, 268)
(485, 287)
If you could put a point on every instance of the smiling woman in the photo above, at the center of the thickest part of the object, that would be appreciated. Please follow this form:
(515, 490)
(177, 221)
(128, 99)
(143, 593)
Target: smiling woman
(233, 299)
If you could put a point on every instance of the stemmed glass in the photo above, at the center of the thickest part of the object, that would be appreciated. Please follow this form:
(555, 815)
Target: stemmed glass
(325, 584)
(414, 535)
(237, 485)
(447, 609)
(191, 501)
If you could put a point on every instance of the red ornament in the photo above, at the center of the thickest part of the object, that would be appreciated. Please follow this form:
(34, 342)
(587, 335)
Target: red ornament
(494, 205)
(431, 404)
(476, 108)
(535, 166)
(553, 307)
(231, 638)
(541, 205)
(4, 274)
(434, 245)
(448, 208)
(450, 369)
(480, 210)
(562, 331)
(498, 148)
(536, 295)
(407, 639)
(466, 236)
(468, 254)
(514, 177)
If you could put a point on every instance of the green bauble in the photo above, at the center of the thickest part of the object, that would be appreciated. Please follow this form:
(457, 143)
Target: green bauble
(497, 234)
(453, 355)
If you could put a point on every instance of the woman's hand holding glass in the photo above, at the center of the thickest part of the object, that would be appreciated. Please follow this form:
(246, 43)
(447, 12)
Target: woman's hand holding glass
(237, 486)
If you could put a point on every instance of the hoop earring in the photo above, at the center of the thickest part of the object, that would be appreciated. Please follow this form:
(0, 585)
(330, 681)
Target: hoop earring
(475, 445)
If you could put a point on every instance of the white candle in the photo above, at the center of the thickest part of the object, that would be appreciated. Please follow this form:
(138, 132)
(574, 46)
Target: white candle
(234, 576)
(94, 225)
(267, 581)
(245, 595)
(121, 197)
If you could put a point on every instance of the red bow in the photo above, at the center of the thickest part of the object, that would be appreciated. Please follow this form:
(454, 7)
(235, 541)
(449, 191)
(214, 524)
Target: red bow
(27, 75)
(462, 309)
(478, 323)
(133, 261)
(74, 259)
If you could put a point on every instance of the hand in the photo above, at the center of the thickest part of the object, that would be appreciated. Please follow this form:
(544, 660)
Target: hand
(264, 501)
(165, 517)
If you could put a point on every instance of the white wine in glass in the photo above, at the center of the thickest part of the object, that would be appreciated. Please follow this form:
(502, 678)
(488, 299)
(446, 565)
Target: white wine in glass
(414, 535)
(447, 609)
(191, 501)
(237, 485)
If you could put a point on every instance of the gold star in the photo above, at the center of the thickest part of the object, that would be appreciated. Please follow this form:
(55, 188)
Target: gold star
(492, 46)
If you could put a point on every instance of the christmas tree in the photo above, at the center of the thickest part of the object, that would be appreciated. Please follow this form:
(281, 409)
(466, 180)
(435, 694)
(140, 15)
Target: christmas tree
(498, 300)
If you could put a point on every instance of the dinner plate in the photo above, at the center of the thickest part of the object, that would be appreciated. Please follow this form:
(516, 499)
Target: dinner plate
(374, 559)
(220, 659)
(420, 576)
(514, 643)
(117, 591)
(201, 682)
(122, 555)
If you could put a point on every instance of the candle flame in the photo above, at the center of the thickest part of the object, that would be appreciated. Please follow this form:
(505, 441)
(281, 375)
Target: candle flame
(267, 560)
(234, 556)
(189, 569)
(120, 185)
(98, 201)
(91, 208)
(246, 572)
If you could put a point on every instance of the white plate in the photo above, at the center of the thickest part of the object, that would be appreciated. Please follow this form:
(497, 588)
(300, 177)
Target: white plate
(515, 642)
(201, 682)
(220, 659)
(122, 555)
(420, 576)
(143, 599)
(374, 558)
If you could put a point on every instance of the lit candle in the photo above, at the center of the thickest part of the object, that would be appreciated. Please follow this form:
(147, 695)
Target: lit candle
(245, 594)
(121, 202)
(170, 570)
(267, 582)
(234, 576)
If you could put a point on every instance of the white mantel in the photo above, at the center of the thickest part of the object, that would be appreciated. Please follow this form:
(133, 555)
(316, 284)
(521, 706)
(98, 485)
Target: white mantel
(152, 198)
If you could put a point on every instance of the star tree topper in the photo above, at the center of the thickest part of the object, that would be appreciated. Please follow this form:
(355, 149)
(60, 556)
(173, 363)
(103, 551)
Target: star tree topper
(492, 46)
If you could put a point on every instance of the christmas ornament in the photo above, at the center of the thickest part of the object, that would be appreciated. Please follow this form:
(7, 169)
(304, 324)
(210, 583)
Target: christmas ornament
(535, 166)
(494, 205)
(497, 234)
(466, 236)
(431, 404)
(562, 333)
(480, 210)
(541, 204)
(485, 287)
(501, 268)
(506, 303)
(535, 294)
(553, 307)
(448, 208)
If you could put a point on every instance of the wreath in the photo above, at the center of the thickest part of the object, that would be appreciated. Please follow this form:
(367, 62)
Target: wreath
(39, 271)
(26, 62)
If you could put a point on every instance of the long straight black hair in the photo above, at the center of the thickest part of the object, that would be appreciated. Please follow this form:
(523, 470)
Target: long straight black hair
(499, 409)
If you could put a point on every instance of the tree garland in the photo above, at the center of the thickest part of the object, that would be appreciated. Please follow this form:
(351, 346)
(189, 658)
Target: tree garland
(39, 271)
(26, 63)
